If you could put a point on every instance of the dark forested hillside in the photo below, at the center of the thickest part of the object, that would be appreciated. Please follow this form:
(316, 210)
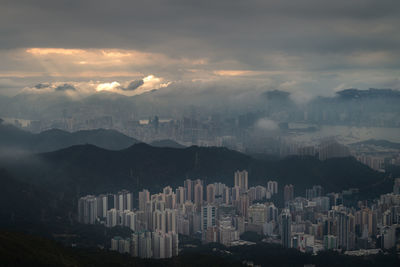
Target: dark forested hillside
(18, 249)
(89, 169)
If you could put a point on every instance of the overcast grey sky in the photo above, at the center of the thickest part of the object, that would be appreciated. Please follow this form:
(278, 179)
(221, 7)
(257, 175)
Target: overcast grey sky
(307, 47)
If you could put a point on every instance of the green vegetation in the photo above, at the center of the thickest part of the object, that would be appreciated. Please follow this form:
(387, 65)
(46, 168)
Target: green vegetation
(17, 249)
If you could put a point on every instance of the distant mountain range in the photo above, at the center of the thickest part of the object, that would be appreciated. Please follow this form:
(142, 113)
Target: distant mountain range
(166, 143)
(381, 143)
(57, 179)
(104, 160)
(14, 139)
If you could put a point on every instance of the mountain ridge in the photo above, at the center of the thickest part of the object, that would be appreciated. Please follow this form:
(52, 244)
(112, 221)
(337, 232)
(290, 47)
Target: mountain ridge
(98, 170)
(54, 139)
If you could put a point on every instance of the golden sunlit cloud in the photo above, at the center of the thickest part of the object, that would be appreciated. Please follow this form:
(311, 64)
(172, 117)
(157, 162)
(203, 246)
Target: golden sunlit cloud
(107, 86)
(148, 78)
(95, 63)
(47, 51)
(116, 54)
(236, 72)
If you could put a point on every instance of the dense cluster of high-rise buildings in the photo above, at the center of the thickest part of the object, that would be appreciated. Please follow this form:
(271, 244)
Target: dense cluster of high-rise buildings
(154, 222)
(146, 244)
(216, 212)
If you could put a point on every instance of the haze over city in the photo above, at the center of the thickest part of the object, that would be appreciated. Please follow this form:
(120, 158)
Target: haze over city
(172, 132)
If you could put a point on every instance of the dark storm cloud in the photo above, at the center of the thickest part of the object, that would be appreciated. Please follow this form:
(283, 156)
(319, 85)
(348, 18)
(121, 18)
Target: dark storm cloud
(133, 85)
(65, 87)
(332, 43)
(218, 28)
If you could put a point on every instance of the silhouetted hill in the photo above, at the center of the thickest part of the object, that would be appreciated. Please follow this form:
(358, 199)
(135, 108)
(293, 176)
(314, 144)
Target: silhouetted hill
(166, 143)
(25, 202)
(90, 169)
(13, 138)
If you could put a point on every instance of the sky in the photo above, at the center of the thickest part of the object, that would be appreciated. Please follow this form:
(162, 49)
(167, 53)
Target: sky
(306, 47)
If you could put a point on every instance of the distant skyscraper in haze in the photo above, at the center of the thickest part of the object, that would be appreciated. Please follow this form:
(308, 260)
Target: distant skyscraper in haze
(112, 218)
(396, 186)
(198, 194)
(144, 197)
(102, 206)
(124, 200)
(87, 209)
(343, 230)
(288, 193)
(210, 193)
(189, 186)
(272, 187)
(167, 190)
(236, 193)
(314, 192)
(244, 204)
(180, 195)
(241, 180)
(286, 230)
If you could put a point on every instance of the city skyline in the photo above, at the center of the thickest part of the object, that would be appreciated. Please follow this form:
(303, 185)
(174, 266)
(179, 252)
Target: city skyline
(309, 222)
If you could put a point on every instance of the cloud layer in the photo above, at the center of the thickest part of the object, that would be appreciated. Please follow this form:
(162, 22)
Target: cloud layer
(306, 47)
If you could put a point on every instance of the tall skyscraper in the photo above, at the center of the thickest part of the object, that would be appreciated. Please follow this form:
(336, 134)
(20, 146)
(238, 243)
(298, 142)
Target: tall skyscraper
(241, 180)
(227, 196)
(144, 197)
(208, 217)
(155, 245)
(288, 193)
(102, 206)
(145, 245)
(343, 225)
(167, 190)
(189, 186)
(171, 217)
(159, 221)
(124, 200)
(87, 209)
(180, 195)
(314, 192)
(396, 186)
(272, 213)
(236, 193)
(210, 193)
(286, 231)
(112, 218)
(198, 194)
(272, 187)
(244, 204)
